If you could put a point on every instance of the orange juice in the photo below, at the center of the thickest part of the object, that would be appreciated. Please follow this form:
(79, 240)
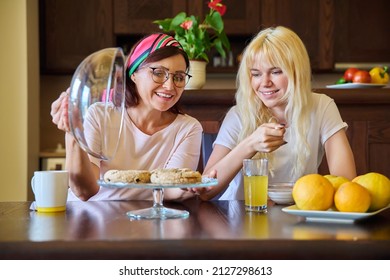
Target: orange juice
(255, 190)
(256, 225)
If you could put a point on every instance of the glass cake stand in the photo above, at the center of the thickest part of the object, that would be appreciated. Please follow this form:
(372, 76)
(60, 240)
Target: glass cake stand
(158, 210)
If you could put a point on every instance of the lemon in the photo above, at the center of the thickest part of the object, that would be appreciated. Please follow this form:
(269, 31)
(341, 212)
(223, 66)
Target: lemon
(313, 192)
(379, 187)
(352, 197)
(336, 181)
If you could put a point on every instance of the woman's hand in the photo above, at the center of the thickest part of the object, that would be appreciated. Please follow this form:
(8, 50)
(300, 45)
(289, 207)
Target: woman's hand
(268, 137)
(203, 193)
(59, 111)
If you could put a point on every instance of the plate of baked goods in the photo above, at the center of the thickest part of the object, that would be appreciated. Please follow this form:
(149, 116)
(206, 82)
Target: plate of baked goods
(330, 215)
(158, 178)
(355, 85)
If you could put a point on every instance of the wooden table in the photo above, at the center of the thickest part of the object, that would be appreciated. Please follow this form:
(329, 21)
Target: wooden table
(214, 230)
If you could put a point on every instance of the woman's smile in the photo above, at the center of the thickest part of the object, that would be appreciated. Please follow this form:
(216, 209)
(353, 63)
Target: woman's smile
(164, 95)
(269, 92)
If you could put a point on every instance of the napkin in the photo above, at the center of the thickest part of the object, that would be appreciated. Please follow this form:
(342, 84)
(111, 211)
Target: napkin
(33, 206)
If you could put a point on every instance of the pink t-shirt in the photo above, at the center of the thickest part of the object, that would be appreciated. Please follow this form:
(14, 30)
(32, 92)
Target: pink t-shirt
(177, 145)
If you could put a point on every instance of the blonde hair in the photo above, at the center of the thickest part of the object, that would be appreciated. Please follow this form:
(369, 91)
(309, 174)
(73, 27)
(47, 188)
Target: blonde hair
(282, 48)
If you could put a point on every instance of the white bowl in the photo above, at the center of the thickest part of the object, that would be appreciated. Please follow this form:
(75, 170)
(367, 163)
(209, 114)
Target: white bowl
(281, 193)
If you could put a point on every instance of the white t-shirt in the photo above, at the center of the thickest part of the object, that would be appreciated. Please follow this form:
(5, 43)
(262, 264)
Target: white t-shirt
(176, 146)
(325, 121)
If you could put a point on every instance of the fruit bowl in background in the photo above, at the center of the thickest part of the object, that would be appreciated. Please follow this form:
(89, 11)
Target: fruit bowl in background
(281, 193)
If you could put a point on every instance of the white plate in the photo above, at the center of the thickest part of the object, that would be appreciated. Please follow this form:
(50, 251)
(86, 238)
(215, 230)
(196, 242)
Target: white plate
(355, 85)
(206, 182)
(330, 215)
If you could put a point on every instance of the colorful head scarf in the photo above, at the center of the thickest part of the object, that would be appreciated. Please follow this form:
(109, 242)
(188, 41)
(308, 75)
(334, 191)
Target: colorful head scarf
(147, 46)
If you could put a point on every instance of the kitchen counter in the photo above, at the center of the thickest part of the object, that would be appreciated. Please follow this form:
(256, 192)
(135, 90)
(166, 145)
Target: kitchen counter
(212, 104)
(50, 154)
(228, 80)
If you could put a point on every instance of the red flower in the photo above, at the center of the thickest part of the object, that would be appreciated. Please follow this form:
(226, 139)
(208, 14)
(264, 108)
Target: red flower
(217, 6)
(186, 24)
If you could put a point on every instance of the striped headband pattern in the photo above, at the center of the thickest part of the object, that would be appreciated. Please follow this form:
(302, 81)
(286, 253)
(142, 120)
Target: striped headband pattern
(147, 46)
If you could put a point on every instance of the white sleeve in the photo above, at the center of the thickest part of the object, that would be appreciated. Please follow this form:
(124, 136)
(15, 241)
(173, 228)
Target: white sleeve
(102, 122)
(187, 150)
(230, 129)
(331, 120)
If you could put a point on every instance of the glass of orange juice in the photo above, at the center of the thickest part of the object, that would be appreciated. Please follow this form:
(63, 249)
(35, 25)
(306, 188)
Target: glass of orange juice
(255, 184)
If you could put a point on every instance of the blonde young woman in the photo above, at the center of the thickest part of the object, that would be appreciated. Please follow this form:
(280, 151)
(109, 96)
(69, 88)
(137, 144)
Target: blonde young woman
(278, 117)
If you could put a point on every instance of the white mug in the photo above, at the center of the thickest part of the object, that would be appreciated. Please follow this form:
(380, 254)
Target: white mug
(51, 190)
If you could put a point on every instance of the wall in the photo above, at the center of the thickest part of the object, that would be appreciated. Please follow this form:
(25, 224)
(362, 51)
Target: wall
(19, 106)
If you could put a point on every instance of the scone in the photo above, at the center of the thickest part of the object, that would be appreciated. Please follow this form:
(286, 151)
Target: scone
(127, 176)
(175, 176)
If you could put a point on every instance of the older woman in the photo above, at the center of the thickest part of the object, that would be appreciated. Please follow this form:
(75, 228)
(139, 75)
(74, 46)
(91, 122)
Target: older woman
(156, 133)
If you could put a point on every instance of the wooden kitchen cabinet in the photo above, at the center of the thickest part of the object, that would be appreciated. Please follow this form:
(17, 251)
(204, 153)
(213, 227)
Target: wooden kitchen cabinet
(312, 20)
(334, 31)
(362, 31)
(136, 17)
(241, 18)
(71, 30)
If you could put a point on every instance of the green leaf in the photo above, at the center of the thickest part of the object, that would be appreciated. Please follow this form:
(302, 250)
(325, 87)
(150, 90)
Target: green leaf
(195, 21)
(164, 24)
(177, 20)
(225, 40)
(219, 47)
(204, 57)
(215, 21)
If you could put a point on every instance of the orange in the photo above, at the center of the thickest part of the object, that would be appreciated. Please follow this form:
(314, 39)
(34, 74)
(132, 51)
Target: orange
(352, 197)
(379, 187)
(336, 181)
(313, 192)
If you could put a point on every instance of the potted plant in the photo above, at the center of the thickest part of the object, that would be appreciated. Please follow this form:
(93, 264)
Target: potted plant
(198, 36)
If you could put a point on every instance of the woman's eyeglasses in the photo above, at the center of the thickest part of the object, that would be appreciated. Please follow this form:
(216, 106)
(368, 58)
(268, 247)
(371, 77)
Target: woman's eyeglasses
(160, 76)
